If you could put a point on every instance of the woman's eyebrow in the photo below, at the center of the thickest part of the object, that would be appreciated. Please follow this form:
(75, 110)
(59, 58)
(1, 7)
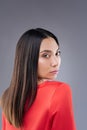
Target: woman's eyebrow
(46, 51)
(49, 51)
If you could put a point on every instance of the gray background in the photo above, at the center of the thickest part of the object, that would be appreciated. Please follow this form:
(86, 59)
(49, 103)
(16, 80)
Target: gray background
(65, 18)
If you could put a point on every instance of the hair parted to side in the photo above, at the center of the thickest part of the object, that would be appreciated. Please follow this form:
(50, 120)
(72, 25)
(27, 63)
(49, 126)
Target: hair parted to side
(23, 86)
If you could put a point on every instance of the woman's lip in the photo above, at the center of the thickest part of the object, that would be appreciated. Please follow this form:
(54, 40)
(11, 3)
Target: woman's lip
(55, 71)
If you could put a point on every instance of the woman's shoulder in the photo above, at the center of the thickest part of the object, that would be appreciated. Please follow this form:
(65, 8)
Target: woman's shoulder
(61, 95)
(57, 84)
(61, 89)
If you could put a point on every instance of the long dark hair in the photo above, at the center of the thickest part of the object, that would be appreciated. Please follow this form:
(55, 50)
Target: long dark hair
(23, 86)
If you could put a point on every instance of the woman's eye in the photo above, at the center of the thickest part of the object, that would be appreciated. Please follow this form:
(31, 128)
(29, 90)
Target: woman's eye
(46, 55)
(58, 53)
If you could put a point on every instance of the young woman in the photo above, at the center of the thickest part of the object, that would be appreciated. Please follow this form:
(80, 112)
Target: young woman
(33, 101)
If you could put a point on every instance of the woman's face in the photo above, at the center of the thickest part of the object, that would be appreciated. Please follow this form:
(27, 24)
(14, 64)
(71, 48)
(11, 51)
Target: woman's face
(49, 59)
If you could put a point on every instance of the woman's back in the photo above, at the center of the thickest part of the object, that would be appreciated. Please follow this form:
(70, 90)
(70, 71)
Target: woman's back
(51, 110)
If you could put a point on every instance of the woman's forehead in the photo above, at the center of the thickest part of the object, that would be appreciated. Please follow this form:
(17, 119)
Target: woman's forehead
(49, 44)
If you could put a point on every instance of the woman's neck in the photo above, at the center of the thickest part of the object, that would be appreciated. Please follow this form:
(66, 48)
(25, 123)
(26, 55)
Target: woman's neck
(43, 80)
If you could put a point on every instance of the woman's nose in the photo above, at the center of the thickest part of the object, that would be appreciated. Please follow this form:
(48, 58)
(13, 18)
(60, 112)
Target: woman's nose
(54, 61)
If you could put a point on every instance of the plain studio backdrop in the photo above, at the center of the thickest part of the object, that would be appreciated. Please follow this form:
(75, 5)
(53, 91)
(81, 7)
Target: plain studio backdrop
(67, 19)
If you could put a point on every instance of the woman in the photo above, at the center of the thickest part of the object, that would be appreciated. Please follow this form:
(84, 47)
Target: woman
(33, 101)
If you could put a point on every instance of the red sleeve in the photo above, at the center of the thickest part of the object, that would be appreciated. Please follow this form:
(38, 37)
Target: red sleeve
(62, 109)
(3, 122)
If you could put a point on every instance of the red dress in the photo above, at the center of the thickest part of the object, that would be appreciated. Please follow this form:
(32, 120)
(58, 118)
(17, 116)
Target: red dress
(51, 110)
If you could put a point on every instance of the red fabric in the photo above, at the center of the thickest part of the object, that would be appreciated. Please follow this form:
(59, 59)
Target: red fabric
(51, 110)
